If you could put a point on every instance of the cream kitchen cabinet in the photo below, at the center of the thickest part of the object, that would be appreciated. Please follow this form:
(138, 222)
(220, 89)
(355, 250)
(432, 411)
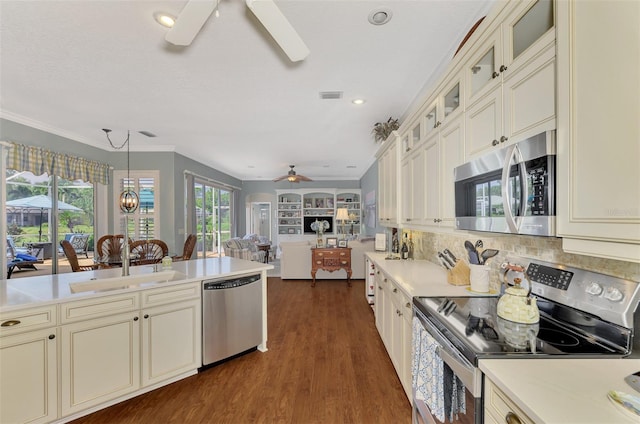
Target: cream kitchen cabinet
(171, 332)
(388, 182)
(498, 408)
(401, 336)
(113, 346)
(412, 182)
(28, 366)
(100, 357)
(393, 320)
(440, 154)
(599, 129)
(510, 79)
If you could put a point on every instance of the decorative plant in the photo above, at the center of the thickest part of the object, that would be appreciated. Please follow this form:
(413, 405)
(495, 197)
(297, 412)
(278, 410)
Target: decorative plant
(319, 227)
(382, 130)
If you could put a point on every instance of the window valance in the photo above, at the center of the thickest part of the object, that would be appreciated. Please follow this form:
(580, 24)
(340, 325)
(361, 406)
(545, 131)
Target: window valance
(38, 161)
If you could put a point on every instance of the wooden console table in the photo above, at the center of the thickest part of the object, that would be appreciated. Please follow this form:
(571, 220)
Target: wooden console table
(330, 259)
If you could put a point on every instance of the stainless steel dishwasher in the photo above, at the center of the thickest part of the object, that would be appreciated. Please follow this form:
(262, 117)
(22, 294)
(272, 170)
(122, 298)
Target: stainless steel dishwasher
(231, 316)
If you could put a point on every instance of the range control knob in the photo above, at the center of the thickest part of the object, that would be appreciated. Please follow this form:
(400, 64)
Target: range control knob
(594, 289)
(613, 294)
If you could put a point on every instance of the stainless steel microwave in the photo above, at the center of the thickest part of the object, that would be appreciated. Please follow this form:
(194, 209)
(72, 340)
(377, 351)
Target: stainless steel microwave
(510, 190)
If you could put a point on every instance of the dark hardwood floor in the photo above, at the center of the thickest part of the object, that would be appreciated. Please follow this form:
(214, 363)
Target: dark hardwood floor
(325, 364)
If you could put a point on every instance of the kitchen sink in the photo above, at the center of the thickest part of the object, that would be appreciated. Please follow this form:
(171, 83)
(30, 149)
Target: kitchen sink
(130, 281)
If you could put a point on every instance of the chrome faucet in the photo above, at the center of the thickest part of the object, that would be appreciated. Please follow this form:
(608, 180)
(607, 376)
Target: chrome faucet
(125, 248)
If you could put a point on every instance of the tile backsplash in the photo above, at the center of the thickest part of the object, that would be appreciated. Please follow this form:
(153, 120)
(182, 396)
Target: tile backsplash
(427, 244)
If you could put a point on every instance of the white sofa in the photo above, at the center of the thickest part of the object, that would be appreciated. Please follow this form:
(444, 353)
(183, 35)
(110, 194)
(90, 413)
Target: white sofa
(295, 261)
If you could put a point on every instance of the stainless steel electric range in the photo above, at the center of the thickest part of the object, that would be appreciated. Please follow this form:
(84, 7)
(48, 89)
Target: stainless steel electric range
(582, 314)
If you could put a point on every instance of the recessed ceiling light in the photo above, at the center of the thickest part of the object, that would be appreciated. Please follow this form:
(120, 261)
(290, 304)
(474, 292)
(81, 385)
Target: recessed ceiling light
(357, 101)
(165, 19)
(380, 16)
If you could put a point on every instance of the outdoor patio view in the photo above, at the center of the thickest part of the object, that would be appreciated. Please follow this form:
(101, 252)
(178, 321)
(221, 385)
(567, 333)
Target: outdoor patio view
(32, 243)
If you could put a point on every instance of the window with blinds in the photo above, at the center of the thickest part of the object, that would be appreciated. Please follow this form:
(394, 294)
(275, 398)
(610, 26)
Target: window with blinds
(144, 221)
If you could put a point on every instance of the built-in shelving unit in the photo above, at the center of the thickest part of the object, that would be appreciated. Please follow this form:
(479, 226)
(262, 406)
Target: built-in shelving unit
(297, 208)
(289, 214)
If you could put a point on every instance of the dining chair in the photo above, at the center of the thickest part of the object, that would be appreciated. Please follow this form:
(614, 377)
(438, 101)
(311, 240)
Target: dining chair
(110, 245)
(187, 250)
(72, 257)
(148, 251)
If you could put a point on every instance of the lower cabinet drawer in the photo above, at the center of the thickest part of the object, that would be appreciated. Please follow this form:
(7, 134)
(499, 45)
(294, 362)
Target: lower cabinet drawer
(98, 307)
(28, 319)
(498, 408)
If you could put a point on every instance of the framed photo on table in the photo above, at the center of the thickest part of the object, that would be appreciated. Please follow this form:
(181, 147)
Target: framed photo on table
(342, 243)
(332, 241)
(320, 242)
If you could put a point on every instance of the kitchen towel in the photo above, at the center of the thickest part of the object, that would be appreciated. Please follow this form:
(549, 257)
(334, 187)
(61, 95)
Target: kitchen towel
(427, 371)
(454, 394)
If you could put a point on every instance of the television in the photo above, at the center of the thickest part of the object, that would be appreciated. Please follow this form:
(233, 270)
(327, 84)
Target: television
(308, 220)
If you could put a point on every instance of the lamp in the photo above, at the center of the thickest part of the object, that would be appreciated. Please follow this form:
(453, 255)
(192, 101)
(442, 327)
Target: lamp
(128, 201)
(343, 215)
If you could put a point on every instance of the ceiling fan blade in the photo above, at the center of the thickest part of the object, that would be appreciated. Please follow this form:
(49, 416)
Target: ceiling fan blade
(303, 178)
(280, 29)
(190, 21)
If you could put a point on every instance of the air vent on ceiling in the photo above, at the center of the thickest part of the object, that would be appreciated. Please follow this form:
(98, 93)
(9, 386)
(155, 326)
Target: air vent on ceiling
(330, 95)
(147, 133)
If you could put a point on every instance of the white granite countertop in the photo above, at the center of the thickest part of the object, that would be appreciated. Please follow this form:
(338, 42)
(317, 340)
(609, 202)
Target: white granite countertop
(418, 277)
(26, 292)
(564, 391)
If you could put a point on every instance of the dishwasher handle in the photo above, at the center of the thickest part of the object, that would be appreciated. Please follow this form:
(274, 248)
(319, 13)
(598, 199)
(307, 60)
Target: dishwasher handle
(231, 283)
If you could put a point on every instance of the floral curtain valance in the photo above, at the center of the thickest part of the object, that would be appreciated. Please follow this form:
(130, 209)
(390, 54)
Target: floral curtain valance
(38, 161)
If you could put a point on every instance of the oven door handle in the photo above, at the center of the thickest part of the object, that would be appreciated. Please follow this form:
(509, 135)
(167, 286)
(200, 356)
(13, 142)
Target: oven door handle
(460, 366)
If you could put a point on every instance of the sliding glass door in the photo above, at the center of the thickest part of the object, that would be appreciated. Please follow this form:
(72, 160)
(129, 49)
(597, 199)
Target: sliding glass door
(213, 212)
(32, 235)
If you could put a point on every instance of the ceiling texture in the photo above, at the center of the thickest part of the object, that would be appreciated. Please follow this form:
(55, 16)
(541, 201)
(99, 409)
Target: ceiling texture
(232, 100)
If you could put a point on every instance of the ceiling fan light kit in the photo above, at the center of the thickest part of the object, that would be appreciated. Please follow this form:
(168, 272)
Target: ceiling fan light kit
(165, 19)
(292, 177)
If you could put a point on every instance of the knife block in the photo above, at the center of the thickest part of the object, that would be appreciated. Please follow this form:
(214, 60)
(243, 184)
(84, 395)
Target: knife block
(459, 275)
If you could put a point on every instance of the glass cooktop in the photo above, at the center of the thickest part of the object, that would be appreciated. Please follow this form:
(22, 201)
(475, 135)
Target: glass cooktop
(472, 325)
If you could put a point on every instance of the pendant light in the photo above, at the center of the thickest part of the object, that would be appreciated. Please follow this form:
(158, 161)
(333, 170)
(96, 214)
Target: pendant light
(129, 199)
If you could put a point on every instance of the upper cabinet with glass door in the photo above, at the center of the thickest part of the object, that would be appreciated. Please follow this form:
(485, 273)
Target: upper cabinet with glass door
(525, 31)
(511, 79)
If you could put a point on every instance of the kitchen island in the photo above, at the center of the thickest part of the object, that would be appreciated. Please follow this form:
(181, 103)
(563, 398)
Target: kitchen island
(71, 344)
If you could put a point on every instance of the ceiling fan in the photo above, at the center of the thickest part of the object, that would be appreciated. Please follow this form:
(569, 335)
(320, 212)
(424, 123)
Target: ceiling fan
(292, 177)
(196, 13)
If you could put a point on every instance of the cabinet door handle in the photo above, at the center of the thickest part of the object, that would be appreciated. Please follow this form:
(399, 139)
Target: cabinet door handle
(512, 418)
(10, 323)
(395, 290)
(407, 305)
(146, 316)
(379, 287)
(495, 75)
(52, 336)
(495, 142)
(503, 68)
(503, 139)
(135, 318)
